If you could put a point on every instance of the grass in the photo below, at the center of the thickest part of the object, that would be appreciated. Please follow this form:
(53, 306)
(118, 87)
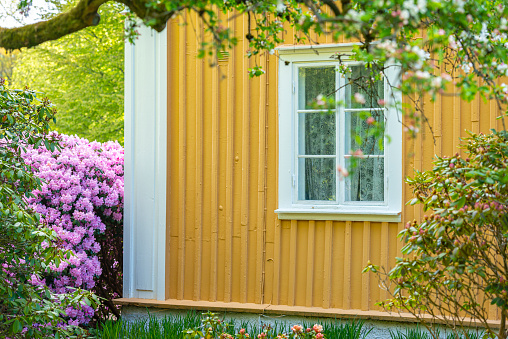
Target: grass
(151, 328)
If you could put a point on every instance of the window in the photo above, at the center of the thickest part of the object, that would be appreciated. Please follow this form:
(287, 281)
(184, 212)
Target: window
(313, 142)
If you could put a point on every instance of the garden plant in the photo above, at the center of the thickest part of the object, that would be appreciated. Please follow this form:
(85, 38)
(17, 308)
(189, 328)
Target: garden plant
(212, 325)
(455, 264)
(81, 202)
(29, 309)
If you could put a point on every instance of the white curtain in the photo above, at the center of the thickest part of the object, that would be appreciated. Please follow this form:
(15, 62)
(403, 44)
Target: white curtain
(317, 137)
(317, 175)
(366, 182)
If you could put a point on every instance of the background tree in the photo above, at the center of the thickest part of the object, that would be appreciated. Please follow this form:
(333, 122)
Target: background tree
(82, 74)
(7, 60)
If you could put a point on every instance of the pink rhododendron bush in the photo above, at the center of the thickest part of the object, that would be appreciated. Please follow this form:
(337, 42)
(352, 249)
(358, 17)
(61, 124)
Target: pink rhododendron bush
(81, 199)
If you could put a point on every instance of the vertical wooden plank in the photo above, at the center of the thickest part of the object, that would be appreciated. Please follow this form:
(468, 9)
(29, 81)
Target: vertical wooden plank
(327, 274)
(475, 115)
(244, 208)
(214, 199)
(230, 155)
(172, 125)
(292, 263)
(182, 160)
(457, 102)
(348, 256)
(493, 112)
(418, 164)
(310, 263)
(366, 258)
(198, 212)
(493, 312)
(190, 150)
(407, 170)
(437, 126)
(277, 262)
(261, 202)
(271, 184)
(385, 258)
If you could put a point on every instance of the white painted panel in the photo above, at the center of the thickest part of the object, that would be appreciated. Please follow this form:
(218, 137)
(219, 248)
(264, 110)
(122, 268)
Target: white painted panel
(145, 166)
(144, 162)
(128, 274)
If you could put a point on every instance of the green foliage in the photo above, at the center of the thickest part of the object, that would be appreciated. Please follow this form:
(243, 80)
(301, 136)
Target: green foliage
(82, 74)
(463, 49)
(412, 333)
(346, 330)
(462, 52)
(168, 327)
(418, 333)
(7, 60)
(456, 258)
(193, 323)
(27, 309)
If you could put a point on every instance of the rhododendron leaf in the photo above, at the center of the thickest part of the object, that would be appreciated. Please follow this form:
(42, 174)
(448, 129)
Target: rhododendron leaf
(459, 203)
(413, 201)
(16, 327)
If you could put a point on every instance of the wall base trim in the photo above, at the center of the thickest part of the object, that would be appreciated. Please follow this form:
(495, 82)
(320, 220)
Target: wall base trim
(269, 309)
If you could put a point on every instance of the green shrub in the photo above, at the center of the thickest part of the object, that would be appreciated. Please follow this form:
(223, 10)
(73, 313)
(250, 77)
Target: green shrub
(27, 308)
(456, 259)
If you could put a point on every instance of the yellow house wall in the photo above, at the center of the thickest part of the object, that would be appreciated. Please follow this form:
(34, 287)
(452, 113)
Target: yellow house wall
(225, 241)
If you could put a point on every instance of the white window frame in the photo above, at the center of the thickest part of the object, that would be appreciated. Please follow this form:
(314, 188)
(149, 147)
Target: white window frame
(290, 58)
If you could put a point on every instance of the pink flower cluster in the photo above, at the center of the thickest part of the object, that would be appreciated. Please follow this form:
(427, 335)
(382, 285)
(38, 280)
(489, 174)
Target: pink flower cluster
(82, 188)
(311, 332)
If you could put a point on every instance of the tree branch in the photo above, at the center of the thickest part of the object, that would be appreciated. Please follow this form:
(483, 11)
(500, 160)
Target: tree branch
(158, 15)
(82, 16)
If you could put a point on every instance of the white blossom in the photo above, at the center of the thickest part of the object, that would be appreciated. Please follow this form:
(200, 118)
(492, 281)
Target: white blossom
(422, 74)
(436, 82)
(280, 6)
(459, 4)
(354, 15)
(502, 68)
(504, 24)
(388, 45)
(504, 88)
(466, 67)
(452, 42)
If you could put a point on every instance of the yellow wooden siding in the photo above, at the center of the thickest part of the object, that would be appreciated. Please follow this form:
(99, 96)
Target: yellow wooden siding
(225, 241)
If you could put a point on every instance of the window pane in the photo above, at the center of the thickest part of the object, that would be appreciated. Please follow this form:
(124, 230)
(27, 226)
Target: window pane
(313, 81)
(371, 92)
(316, 135)
(366, 181)
(361, 135)
(316, 179)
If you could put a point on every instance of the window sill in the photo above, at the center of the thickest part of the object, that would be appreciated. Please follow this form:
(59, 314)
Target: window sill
(359, 214)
